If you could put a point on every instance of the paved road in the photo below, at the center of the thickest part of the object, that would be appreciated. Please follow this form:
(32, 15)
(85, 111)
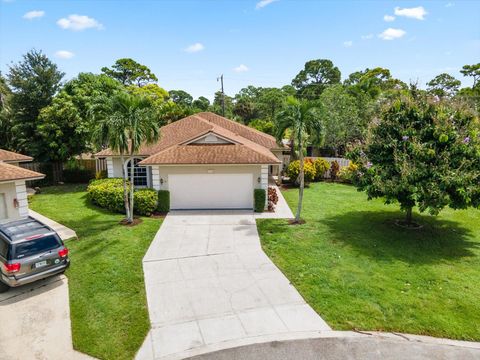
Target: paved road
(35, 322)
(208, 282)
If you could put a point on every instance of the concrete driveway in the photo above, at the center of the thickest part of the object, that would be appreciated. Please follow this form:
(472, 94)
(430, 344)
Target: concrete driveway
(35, 322)
(209, 286)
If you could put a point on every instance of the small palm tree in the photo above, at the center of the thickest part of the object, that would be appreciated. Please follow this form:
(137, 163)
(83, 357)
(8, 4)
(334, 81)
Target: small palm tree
(125, 122)
(303, 119)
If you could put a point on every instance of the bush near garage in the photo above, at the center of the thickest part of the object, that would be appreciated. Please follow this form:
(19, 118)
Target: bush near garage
(163, 201)
(108, 194)
(259, 197)
(321, 167)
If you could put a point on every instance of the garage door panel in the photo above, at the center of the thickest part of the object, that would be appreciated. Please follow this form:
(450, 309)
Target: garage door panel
(211, 191)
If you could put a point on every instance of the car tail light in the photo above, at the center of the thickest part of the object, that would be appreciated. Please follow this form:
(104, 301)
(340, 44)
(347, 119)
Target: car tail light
(12, 268)
(63, 253)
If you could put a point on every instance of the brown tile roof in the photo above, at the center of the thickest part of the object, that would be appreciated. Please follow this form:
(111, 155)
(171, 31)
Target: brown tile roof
(9, 172)
(182, 131)
(10, 156)
(210, 154)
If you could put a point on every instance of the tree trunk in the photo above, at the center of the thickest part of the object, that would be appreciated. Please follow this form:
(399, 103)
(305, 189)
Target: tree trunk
(130, 220)
(301, 175)
(408, 217)
(125, 191)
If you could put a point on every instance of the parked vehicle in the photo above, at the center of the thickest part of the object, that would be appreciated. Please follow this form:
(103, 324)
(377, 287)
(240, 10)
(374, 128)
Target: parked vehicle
(29, 251)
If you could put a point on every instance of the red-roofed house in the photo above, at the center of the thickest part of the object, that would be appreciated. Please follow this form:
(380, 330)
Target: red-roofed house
(206, 162)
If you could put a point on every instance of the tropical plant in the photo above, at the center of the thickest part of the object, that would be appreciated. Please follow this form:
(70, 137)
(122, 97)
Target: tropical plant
(125, 123)
(334, 169)
(321, 167)
(302, 118)
(422, 153)
(293, 171)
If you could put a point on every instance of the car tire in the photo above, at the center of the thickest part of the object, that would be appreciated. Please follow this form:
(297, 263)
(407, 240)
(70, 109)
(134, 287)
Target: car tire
(4, 287)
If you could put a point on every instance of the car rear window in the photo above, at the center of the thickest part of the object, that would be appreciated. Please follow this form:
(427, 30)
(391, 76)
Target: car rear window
(35, 246)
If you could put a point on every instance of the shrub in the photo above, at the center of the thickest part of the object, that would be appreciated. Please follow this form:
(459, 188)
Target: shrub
(77, 175)
(347, 174)
(102, 174)
(108, 194)
(321, 167)
(293, 170)
(163, 201)
(334, 169)
(272, 198)
(259, 197)
(145, 201)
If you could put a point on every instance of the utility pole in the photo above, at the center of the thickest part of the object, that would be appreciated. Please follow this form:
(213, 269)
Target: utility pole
(223, 94)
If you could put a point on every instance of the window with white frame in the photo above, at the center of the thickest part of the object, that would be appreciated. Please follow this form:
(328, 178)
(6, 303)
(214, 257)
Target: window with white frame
(139, 173)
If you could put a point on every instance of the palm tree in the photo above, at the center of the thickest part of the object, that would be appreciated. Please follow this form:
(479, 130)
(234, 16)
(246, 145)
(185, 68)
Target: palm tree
(125, 122)
(303, 119)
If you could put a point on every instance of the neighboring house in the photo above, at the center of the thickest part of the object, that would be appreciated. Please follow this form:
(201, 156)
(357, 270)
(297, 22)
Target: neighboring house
(13, 192)
(205, 161)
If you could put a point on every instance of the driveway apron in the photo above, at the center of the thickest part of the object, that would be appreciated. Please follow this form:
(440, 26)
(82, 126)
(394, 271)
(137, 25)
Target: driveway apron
(209, 283)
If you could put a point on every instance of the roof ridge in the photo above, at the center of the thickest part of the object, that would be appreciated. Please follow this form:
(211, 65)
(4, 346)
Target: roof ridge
(238, 123)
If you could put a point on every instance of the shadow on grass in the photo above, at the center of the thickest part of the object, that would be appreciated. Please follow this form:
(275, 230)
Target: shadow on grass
(374, 234)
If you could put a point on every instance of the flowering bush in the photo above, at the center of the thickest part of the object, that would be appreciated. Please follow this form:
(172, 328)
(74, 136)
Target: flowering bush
(293, 170)
(272, 198)
(348, 173)
(321, 167)
(424, 154)
(334, 169)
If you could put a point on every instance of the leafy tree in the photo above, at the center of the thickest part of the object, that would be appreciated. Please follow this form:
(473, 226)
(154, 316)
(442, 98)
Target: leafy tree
(245, 108)
(181, 97)
(443, 85)
(316, 76)
(130, 72)
(302, 118)
(217, 104)
(65, 126)
(424, 154)
(169, 112)
(340, 118)
(5, 114)
(202, 103)
(472, 71)
(266, 126)
(373, 82)
(125, 123)
(154, 92)
(271, 101)
(33, 81)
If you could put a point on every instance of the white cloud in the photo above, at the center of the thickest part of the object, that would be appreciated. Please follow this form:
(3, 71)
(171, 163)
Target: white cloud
(64, 54)
(367, 37)
(194, 48)
(418, 12)
(263, 3)
(33, 14)
(348, 43)
(78, 23)
(392, 34)
(388, 18)
(241, 68)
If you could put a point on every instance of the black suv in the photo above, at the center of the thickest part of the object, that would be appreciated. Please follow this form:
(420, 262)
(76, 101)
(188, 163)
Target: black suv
(29, 251)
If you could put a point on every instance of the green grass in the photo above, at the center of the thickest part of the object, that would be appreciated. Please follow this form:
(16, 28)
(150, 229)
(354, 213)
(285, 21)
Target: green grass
(107, 295)
(360, 271)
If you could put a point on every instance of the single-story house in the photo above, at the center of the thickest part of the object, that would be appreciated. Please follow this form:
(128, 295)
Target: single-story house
(205, 161)
(13, 192)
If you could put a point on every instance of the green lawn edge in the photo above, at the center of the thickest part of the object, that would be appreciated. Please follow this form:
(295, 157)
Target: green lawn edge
(360, 271)
(108, 307)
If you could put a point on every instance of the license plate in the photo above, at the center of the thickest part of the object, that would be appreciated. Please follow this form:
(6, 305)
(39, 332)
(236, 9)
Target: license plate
(40, 263)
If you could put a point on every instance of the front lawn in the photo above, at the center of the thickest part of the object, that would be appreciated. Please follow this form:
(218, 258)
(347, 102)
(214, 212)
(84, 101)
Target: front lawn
(360, 271)
(107, 295)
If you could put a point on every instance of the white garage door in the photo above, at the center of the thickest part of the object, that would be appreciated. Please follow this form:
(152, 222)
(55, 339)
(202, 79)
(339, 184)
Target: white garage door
(3, 207)
(211, 191)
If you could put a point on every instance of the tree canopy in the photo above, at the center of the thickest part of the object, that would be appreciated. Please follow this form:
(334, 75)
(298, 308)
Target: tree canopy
(130, 72)
(315, 77)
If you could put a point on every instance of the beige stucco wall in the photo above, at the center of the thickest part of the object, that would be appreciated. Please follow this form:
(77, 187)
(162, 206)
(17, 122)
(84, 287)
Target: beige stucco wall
(15, 190)
(162, 172)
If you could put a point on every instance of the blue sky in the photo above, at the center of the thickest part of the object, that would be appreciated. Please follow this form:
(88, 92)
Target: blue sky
(188, 44)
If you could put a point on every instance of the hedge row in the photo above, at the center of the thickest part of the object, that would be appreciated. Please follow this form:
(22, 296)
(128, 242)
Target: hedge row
(108, 194)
